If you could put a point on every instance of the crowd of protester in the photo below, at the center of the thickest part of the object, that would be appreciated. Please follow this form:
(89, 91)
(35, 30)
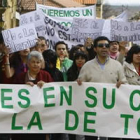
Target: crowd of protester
(99, 60)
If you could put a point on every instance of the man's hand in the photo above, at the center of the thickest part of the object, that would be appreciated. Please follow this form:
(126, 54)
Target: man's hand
(79, 82)
(118, 84)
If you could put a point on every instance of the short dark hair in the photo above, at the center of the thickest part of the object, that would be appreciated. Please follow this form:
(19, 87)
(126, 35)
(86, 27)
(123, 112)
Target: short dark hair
(60, 42)
(80, 54)
(43, 38)
(99, 39)
(135, 49)
(73, 50)
(50, 56)
(114, 41)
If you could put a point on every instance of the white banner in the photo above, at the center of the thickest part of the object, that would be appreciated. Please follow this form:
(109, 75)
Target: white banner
(20, 38)
(90, 109)
(65, 15)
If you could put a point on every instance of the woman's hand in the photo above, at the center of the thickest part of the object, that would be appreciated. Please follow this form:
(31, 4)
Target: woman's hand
(30, 83)
(40, 84)
(6, 50)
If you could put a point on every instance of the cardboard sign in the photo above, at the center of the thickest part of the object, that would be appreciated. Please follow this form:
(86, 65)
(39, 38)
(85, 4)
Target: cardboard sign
(20, 38)
(83, 28)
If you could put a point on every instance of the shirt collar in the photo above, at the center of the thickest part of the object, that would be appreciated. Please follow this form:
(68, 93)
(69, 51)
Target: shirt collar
(107, 59)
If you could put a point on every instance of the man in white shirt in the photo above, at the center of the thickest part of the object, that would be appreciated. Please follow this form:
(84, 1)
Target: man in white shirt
(102, 69)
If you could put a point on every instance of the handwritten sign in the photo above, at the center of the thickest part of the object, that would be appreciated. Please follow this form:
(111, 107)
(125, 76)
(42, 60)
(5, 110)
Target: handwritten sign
(125, 31)
(20, 38)
(36, 17)
(65, 15)
(56, 32)
(107, 24)
(83, 28)
(52, 30)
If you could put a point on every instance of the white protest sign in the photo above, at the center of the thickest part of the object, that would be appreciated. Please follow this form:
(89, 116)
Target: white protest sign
(56, 32)
(83, 28)
(107, 29)
(49, 28)
(35, 17)
(95, 109)
(107, 24)
(66, 15)
(123, 16)
(20, 38)
(125, 31)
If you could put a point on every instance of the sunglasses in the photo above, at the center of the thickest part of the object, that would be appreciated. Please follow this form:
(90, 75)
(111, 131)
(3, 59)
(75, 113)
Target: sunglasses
(101, 45)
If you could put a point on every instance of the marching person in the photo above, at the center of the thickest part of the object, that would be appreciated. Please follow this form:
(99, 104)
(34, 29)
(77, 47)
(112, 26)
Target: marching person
(33, 76)
(63, 62)
(102, 69)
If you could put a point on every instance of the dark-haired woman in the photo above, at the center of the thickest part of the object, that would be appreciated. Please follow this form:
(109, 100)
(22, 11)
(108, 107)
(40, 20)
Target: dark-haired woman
(16, 64)
(132, 65)
(79, 60)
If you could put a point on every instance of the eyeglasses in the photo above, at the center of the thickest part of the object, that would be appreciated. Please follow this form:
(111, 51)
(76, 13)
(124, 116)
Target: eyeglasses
(101, 45)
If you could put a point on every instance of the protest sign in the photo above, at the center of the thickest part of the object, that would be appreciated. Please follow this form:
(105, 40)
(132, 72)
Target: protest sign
(107, 24)
(35, 17)
(125, 31)
(65, 15)
(83, 28)
(20, 38)
(123, 16)
(95, 109)
(50, 29)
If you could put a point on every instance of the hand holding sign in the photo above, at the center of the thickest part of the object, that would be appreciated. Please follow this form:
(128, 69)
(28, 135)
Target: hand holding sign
(122, 46)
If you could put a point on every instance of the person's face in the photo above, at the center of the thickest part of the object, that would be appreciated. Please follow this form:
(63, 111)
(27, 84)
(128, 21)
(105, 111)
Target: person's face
(24, 52)
(34, 65)
(114, 47)
(61, 50)
(80, 61)
(82, 49)
(136, 58)
(102, 48)
(88, 42)
(43, 46)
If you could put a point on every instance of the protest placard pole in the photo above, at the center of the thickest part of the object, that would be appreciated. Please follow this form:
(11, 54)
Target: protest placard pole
(14, 7)
(7, 15)
(101, 9)
(43, 2)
